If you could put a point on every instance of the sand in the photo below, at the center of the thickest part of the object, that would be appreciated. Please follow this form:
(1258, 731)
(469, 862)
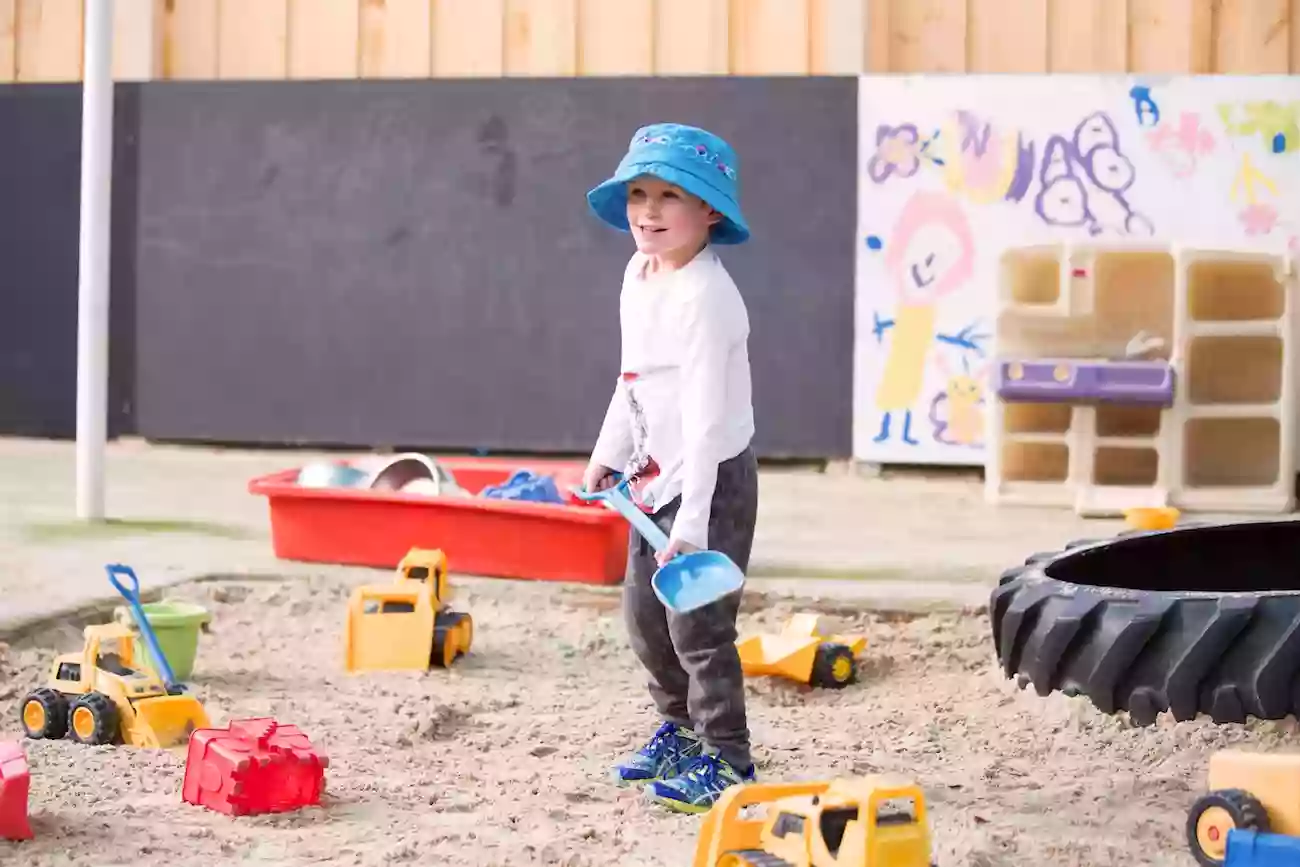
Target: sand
(502, 760)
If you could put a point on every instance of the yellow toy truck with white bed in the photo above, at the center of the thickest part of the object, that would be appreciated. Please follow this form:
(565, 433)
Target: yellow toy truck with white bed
(103, 695)
(873, 821)
(406, 624)
(802, 653)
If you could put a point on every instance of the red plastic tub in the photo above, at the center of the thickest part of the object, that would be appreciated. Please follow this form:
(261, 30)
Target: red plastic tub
(480, 536)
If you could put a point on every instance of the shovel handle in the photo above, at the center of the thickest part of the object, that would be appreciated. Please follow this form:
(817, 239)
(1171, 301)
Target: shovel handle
(617, 499)
(131, 593)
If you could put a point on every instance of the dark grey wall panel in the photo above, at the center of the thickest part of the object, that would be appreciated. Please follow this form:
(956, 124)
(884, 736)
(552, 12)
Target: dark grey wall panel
(40, 171)
(413, 263)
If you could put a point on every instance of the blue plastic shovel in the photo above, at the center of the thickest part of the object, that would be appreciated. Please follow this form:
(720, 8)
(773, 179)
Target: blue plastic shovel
(131, 593)
(686, 582)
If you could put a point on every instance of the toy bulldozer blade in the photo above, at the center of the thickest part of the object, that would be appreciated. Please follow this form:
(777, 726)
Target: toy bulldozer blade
(801, 653)
(165, 721)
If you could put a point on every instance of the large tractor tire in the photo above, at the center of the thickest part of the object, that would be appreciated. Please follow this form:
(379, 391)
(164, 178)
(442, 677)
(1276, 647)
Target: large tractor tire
(1201, 619)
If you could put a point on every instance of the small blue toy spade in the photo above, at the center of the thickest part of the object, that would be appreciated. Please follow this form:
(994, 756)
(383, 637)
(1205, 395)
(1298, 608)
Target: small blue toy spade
(686, 582)
(131, 593)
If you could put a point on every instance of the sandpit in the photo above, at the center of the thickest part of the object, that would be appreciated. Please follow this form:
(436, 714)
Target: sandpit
(502, 760)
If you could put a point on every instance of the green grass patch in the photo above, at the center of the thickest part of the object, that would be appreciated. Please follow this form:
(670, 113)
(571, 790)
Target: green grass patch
(67, 531)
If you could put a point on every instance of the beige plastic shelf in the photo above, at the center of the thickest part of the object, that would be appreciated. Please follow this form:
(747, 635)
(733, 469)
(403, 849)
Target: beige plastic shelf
(1031, 278)
(1235, 289)
(1237, 391)
(1235, 369)
(1101, 298)
(1225, 319)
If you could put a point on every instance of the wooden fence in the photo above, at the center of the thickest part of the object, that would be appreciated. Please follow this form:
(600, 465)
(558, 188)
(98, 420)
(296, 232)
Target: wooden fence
(40, 40)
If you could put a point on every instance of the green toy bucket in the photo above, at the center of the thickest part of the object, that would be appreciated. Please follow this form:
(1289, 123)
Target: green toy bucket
(176, 625)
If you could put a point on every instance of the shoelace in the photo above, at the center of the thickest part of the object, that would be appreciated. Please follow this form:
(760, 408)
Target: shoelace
(660, 740)
(704, 769)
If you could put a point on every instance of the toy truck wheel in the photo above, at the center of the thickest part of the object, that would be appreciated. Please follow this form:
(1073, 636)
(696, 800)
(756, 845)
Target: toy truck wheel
(93, 720)
(1214, 815)
(45, 714)
(834, 666)
(467, 631)
(449, 638)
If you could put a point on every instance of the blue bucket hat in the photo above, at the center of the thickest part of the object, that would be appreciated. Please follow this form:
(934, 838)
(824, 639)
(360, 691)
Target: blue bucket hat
(691, 158)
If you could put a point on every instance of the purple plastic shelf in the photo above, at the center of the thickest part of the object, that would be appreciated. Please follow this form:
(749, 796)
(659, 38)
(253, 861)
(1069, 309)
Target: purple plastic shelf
(1070, 381)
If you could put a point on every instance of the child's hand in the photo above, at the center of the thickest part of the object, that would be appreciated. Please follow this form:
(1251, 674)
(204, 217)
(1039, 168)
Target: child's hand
(597, 477)
(674, 547)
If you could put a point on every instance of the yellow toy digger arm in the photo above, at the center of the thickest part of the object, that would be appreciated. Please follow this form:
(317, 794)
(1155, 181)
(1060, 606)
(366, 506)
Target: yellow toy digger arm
(723, 830)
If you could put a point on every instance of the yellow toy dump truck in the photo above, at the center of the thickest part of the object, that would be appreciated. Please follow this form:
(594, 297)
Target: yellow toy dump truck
(873, 821)
(1255, 799)
(800, 652)
(405, 625)
(102, 695)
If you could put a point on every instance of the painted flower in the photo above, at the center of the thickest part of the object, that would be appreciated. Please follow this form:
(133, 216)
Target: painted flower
(897, 153)
(1258, 219)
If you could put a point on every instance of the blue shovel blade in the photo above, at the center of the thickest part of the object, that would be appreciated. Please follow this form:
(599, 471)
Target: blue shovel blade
(694, 580)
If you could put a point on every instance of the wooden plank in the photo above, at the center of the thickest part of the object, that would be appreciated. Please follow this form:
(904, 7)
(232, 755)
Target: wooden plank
(396, 39)
(324, 38)
(190, 33)
(769, 37)
(616, 38)
(1171, 36)
(137, 39)
(468, 38)
(49, 40)
(1007, 35)
(837, 33)
(8, 43)
(1294, 15)
(253, 40)
(541, 37)
(1252, 37)
(1087, 36)
(878, 59)
(691, 37)
(927, 36)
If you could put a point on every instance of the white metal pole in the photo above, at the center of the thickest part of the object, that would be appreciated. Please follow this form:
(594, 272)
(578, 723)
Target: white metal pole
(93, 268)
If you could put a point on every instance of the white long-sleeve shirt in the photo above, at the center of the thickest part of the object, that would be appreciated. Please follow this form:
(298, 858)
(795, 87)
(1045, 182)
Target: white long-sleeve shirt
(683, 400)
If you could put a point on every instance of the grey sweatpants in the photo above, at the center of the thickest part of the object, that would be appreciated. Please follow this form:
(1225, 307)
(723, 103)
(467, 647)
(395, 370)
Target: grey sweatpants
(694, 668)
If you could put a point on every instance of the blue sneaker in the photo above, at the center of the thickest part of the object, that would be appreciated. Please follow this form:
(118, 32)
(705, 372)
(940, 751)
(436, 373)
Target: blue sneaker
(699, 785)
(670, 750)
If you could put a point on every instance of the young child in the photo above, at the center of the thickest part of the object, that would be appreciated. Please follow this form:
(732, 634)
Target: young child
(679, 427)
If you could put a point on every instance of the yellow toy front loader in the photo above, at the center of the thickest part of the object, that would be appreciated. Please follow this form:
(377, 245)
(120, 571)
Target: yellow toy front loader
(800, 652)
(874, 821)
(103, 695)
(405, 625)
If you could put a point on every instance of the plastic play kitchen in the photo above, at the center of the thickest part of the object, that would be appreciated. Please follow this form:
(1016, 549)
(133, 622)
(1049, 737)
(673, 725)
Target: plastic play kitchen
(1250, 817)
(686, 582)
(15, 785)
(406, 624)
(253, 766)
(376, 526)
(1148, 376)
(874, 821)
(801, 653)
